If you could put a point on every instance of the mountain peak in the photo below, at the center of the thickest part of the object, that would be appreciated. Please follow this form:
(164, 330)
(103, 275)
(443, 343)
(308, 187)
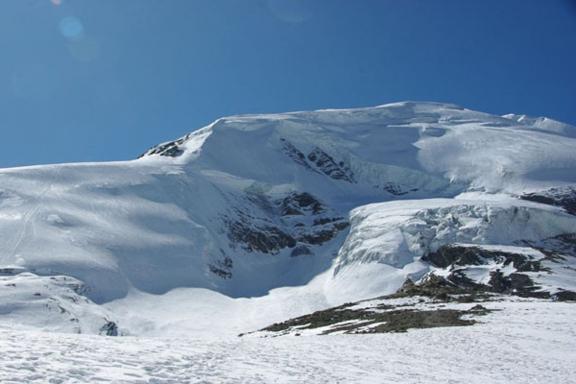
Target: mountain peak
(338, 204)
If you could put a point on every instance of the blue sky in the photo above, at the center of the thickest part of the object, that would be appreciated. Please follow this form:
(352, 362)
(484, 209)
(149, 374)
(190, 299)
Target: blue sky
(93, 80)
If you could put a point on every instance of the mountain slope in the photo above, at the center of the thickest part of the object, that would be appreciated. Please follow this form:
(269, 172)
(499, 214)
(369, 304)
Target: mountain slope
(468, 241)
(254, 203)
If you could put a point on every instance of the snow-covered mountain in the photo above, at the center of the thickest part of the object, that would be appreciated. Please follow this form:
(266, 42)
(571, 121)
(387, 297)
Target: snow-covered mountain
(257, 218)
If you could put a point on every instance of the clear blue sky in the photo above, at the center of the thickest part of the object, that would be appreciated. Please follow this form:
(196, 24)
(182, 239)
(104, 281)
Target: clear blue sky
(92, 80)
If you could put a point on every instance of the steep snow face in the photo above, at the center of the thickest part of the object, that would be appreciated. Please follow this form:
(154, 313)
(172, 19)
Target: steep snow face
(390, 242)
(252, 203)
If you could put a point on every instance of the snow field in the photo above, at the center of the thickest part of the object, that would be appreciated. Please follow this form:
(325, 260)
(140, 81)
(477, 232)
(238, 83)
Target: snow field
(524, 342)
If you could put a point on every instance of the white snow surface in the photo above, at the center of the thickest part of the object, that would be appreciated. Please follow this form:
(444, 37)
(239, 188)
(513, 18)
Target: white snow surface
(54, 303)
(145, 236)
(523, 342)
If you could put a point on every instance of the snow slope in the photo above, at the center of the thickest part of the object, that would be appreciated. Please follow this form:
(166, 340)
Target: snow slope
(523, 342)
(258, 207)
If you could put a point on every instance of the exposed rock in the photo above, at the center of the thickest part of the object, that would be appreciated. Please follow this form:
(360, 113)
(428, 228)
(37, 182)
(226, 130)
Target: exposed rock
(275, 224)
(379, 318)
(267, 239)
(294, 153)
(515, 284)
(564, 197)
(453, 255)
(327, 220)
(564, 296)
(450, 255)
(397, 189)
(322, 236)
(109, 329)
(300, 250)
(431, 286)
(298, 203)
(169, 149)
(222, 268)
(457, 260)
(327, 165)
(319, 161)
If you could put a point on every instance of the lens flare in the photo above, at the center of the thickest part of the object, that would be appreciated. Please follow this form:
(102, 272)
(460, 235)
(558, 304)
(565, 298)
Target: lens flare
(71, 28)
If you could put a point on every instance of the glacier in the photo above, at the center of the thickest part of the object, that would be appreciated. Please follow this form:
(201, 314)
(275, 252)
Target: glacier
(258, 218)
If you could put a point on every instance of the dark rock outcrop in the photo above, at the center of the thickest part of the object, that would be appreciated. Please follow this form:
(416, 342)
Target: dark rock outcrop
(222, 268)
(267, 239)
(300, 250)
(564, 197)
(319, 161)
(294, 153)
(328, 166)
(169, 149)
(296, 220)
(454, 255)
(109, 329)
(299, 204)
(456, 260)
(380, 318)
(397, 189)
